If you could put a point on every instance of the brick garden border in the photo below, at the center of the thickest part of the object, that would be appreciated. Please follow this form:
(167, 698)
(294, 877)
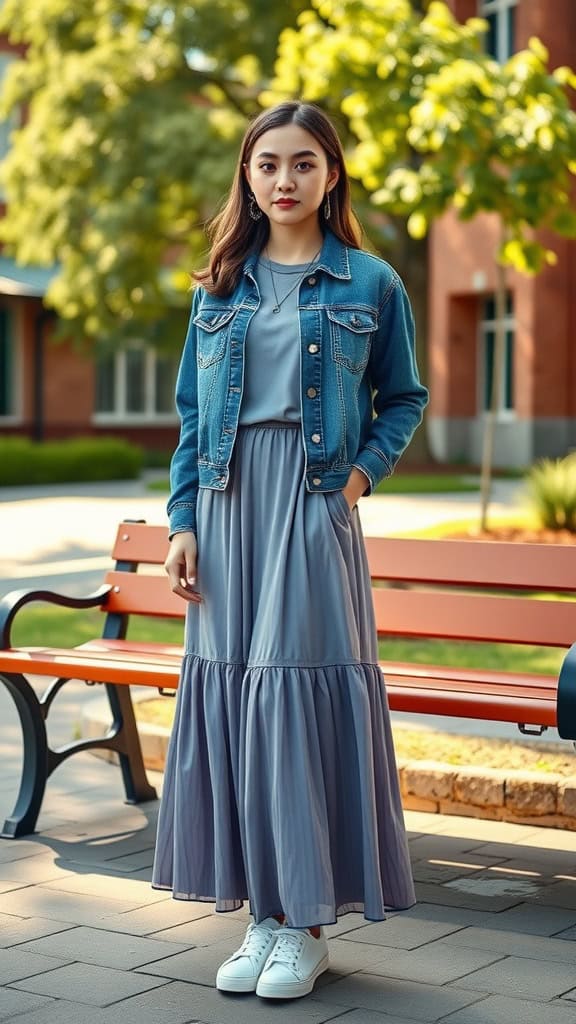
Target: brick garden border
(526, 798)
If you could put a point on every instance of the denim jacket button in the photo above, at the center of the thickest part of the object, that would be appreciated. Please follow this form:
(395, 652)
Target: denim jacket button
(315, 438)
(316, 481)
(311, 392)
(313, 349)
(311, 280)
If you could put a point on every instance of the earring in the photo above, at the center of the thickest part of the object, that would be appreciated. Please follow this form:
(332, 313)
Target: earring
(253, 209)
(327, 208)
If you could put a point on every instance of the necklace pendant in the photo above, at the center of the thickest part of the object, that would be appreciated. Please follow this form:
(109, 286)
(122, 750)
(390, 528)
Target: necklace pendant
(276, 309)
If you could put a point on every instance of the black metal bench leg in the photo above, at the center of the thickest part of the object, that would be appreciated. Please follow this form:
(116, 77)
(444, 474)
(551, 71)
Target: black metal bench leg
(127, 744)
(23, 819)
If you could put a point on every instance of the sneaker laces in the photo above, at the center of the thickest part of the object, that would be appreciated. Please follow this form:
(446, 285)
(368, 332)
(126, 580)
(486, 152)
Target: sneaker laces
(288, 947)
(255, 941)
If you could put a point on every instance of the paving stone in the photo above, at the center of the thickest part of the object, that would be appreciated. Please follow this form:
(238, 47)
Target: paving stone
(481, 899)
(13, 1003)
(450, 915)
(197, 966)
(18, 849)
(569, 934)
(132, 861)
(534, 947)
(529, 857)
(440, 847)
(85, 983)
(349, 957)
(33, 870)
(158, 917)
(37, 901)
(14, 930)
(532, 920)
(405, 998)
(14, 965)
(204, 932)
(437, 964)
(107, 949)
(371, 1017)
(522, 978)
(137, 890)
(489, 831)
(346, 924)
(198, 1003)
(62, 1011)
(503, 1010)
(402, 932)
(561, 894)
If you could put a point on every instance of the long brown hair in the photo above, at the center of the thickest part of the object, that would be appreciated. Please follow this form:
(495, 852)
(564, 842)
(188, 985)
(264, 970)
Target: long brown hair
(234, 234)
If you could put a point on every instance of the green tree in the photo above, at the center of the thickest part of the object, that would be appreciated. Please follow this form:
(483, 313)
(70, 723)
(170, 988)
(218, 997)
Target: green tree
(435, 123)
(133, 115)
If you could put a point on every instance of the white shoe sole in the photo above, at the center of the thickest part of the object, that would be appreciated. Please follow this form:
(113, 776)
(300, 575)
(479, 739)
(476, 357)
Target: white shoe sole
(236, 984)
(291, 990)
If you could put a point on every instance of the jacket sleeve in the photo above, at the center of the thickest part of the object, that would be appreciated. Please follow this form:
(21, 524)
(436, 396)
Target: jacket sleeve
(398, 396)
(184, 465)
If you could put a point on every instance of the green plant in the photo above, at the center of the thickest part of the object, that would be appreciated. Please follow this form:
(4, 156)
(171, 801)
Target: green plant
(551, 487)
(24, 462)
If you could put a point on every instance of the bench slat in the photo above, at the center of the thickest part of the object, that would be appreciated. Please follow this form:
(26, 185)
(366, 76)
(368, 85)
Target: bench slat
(478, 563)
(139, 542)
(133, 593)
(458, 616)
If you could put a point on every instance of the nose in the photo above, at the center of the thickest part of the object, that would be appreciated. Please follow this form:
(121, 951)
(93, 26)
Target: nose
(285, 182)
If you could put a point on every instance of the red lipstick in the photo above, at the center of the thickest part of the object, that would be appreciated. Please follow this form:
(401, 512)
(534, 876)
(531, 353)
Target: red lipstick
(287, 203)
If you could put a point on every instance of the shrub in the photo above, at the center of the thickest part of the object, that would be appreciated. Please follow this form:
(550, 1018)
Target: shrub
(552, 492)
(25, 462)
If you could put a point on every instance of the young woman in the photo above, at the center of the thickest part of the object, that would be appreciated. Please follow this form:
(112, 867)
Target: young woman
(297, 393)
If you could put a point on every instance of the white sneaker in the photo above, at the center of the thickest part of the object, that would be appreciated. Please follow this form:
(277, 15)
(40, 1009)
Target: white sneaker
(240, 972)
(295, 962)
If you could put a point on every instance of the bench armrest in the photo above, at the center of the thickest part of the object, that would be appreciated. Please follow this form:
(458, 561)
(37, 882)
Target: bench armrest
(11, 604)
(567, 696)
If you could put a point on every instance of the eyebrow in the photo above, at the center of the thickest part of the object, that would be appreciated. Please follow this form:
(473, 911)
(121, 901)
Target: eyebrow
(274, 156)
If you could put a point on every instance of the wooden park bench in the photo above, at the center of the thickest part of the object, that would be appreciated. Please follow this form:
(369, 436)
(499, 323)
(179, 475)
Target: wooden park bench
(464, 590)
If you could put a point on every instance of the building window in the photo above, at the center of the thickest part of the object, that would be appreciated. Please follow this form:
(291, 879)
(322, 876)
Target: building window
(501, 18)
(8, 403)
(135, 384)
(488, 325)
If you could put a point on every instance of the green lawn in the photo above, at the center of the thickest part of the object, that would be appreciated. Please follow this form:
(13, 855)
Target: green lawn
(58, 627)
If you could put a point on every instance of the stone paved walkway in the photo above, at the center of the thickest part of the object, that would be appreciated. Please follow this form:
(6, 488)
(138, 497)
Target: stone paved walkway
(85, 940)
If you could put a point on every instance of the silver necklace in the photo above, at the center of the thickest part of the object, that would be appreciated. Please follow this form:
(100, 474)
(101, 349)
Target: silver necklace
(280, 302)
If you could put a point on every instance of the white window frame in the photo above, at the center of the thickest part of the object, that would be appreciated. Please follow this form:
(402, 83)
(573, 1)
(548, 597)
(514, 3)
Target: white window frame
(14, 418)
(486, 325)
(500, 8)
(120, 414)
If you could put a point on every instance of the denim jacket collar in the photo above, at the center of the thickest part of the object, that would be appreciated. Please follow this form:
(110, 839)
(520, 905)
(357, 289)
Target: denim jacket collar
(333, 259)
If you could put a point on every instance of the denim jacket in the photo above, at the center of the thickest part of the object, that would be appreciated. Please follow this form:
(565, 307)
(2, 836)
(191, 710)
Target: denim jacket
(361, 399)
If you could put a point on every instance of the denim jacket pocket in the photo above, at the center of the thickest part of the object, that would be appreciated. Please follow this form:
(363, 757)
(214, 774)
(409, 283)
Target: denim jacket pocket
(213, 329)
(351, 331)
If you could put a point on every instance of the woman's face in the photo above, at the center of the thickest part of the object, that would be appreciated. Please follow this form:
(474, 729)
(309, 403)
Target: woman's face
(289, 175)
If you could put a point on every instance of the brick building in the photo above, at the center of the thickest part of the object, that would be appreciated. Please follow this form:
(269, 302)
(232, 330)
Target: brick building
(537, 405)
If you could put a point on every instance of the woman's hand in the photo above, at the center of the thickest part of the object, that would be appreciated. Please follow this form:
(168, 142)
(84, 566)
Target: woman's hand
(181, 565)
(355, 486)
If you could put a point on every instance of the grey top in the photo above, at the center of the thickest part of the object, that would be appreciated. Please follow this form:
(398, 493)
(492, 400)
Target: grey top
(272, 360)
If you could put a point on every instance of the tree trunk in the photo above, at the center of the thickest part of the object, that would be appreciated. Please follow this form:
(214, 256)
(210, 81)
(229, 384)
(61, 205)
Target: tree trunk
(497, 380)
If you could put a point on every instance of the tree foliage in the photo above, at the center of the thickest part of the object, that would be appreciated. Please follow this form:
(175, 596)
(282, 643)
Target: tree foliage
(435, 121)
(134, 112)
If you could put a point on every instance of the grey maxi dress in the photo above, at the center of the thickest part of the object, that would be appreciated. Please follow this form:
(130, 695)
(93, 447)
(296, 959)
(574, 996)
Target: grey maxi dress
(280, 785)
